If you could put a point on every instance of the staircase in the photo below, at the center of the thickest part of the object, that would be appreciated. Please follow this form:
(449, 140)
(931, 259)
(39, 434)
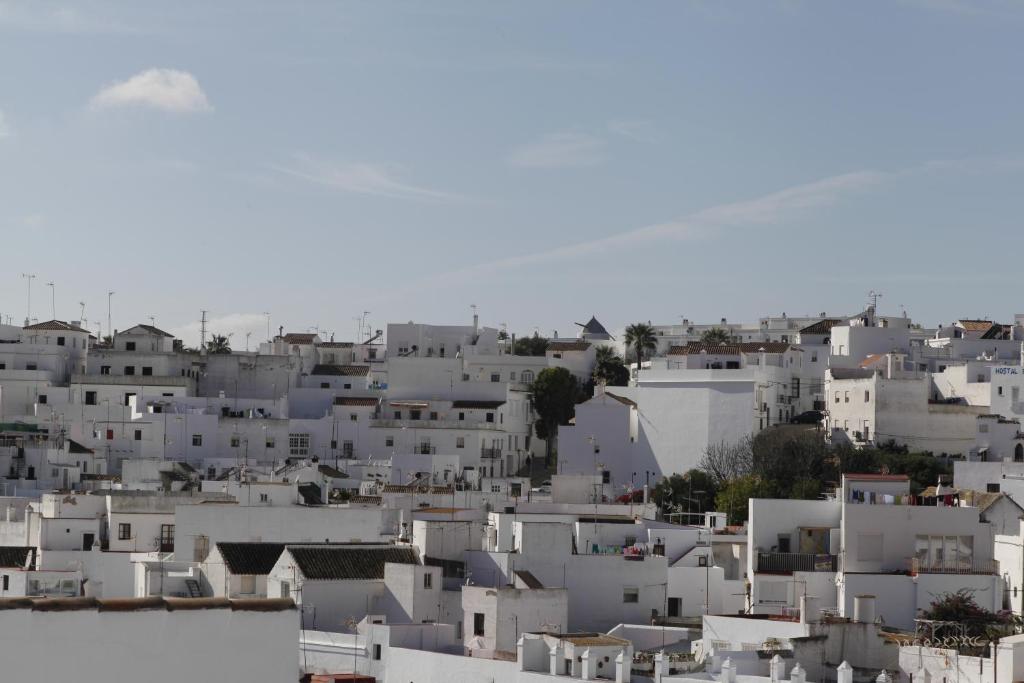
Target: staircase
(194, 591)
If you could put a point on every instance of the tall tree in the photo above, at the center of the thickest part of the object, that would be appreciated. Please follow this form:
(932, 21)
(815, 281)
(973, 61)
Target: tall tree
(531, 346)
(609, 368)
(553, 395)
(716, 335)
(640, 337)
(218, 344)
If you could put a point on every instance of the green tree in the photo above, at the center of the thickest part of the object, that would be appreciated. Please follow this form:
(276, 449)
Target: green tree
(782, 458)
(610, 368)
(218, 344)
(733, 498)
(716, 335)
(693, 491)
(553, 395)
(530, 346)
(641, 338)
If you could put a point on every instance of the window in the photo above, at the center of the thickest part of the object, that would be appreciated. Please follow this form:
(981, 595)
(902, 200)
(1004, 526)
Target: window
(414, 414)
(129, 346)
(147, 370)
(347, 449)
(270, 442)
(389, 441)
(7, 580)
(235, 441)
(129, 369)
(42, 399)
(462, 416)
(983, 428)
(460, 442)
(124, 531)
(630, 595)
(837, 397)
(90, 398)
(398, 414)
(489, 417)
(31, 366)
(197, 439)
(992, 488)
(325, 385)
(495, 376)
(846, 397)
(138, 435)
(298, 444)
(110, 435)
(264, 497)
(286, 589)
(348, 386)
(867, 395)
(248, 584)
(376, 651)
(814, 356)
(104, 369)
(433, 415)
(353, 417)
(428, 580)
(512, 376)
(167, 538)
(478, 623)
(526, 377)
(495, 488)
(465, 377)
(60, 341)
(606, 478)
(999, 391)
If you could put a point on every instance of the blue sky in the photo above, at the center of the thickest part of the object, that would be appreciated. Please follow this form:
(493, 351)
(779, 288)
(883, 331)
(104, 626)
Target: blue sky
(543, 160)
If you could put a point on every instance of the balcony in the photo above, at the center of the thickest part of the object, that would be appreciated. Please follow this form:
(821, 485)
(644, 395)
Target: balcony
(966, 566)
(796, 562)
(490, 452)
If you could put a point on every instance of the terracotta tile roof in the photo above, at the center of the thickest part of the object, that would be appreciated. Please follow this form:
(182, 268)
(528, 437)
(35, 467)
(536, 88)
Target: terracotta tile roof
(356, 401)
(149, 603)
(590, 639)
(767, 347)
(822, 326)
(56, 326)
(418, 488)
(876, 477)
(569, 346)
(365, 500)
(997, 331)
(336, 563)
(250, 558)
(704, 347)
(334, 345)
(298, 338)
(17, 556)
(621, 399)
(341, 370)
(477, 405)
(974, 325)
(871, 360)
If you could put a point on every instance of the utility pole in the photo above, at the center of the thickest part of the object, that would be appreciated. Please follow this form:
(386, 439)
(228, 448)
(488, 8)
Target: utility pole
(202, 331)
(110, 328)
(28, 313)
(53, 300)
(81, 315)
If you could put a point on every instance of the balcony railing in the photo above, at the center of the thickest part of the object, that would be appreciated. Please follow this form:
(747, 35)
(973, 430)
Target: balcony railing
(796, 562)
(968, 566)
(490, 452)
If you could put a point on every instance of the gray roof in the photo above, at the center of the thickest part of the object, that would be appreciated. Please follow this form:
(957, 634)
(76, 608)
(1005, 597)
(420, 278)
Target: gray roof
(327, 563)
(250, 558)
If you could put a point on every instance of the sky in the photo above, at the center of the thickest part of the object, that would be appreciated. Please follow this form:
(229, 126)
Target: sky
(543, 161)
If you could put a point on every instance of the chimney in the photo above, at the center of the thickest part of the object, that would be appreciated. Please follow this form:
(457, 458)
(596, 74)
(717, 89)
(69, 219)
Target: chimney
(890, 360)
(864, 609)
(777, 667)
(883, 677)
(809, 610)
(728, 671)
(798, 675)
(844, 673)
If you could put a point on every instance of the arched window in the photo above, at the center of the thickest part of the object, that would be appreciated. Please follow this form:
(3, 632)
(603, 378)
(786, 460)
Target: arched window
(1018, 453)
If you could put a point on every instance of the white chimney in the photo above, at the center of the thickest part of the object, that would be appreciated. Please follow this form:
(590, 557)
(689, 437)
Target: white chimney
(728, 671)
(777, 667)
(844, 673)
(883, 677)
(809, 610)
(798, 675)
(864, 609)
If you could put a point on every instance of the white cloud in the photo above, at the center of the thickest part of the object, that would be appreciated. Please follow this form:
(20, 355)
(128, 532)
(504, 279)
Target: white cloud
(5, 128)
(560, 150)
(167, 89)
(635, 129)
(234, 324)
(380, 180)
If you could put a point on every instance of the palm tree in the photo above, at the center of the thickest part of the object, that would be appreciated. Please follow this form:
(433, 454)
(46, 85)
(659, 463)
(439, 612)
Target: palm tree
(218, 344)
(716, 335)
(641, 337)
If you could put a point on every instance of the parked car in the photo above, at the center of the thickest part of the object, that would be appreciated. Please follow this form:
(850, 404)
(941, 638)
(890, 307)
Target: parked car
(809, 417)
